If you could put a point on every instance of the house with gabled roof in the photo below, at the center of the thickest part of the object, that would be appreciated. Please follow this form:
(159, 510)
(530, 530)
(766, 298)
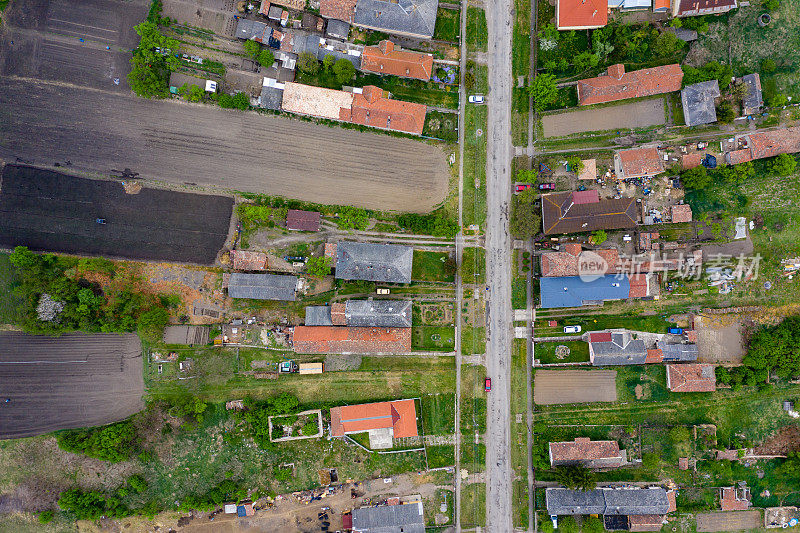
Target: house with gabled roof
(638, 162)
(584, 211)
(392, 518)
(262, 286)
(699, 102)
(387, 263)
(581, 14)
(300, 220)
(764, 144)
(387, 58)
(351, 340)
(573, 291)
(616, 84)
(608, 502)
(617, 347)
(361, 313)
(566, 262)
(754, 100)
(410, 18)
(587, 452)
(383, 421)
(693, 377)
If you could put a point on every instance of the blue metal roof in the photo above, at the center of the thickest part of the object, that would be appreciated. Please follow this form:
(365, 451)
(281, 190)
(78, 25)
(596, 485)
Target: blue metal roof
(572, 291)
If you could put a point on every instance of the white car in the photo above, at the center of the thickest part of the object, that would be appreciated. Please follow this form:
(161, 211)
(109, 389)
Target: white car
(572, 329)
(476, 99)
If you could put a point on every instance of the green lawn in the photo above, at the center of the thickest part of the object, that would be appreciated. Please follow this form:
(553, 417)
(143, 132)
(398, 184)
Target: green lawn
(441, 456)
(433, 338)
(442, 126)
(473, 340)
(9, 304)
(447, 25)
(589, 322)
(432, 266)
(519, 298)
(519, 430)
(473, 505)
(476, 29)
(545, 352)
(438, 413)
(521, 38)
(473, 266)
(475, 165)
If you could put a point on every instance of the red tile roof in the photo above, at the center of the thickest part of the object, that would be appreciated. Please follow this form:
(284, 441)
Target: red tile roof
(683, 463)
(661, 4)
(638, 287)
(619, 85)
(400, 415)
(586, 450)
(654, 355)
(681, 213)
(333, 339)
(384, 59)
(338, 316)
(302, 220)
(645, 522)
(243, 260)
(371, 108)
(673, 504)
(772, 143)
(589, 196)
(560, 264)
(337, 9)
(578, 14)
(600, 336)
(702, 7)
(638, 162)
(694, 377)
(692, 160)
(738, 156)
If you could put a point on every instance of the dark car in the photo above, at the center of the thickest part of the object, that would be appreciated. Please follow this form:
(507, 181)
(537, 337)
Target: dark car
(547, 186)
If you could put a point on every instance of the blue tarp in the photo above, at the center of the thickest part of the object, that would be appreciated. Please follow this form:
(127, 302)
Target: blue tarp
(573, 292)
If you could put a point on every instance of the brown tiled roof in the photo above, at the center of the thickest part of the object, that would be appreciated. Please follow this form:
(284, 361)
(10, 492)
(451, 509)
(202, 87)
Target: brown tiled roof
(692, 6)
(338, 317)
(384, 59)
(371, 108)
(337, 9)
(334, 339)
(692, 160)
(673, 504)
(585, 450)
(645, 522)
(772, 143)
(600, 336)
(297, 5)
(330, 250)
(691, 336)
(681, 213)
(243, 260)
(302, 220)
(400, 415)
(730, 500)
(694, 377)
(561, 215)
(560, 264)
(738, 156)
(638, 162)
(638, 287)
(654, 355)
(616, 84)
(579, 14)
(683, 463)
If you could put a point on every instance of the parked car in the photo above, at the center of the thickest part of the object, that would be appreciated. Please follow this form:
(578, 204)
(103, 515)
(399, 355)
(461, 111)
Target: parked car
(475, 99)
(572, 329)
(547, 186)
(384, 291)
(487, 385)
(522, 187)
(676, 331)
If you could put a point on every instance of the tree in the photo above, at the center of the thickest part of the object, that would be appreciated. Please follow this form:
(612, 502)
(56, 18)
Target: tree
(319, 266)
(151, 324)
(266, 58)
(576, 477)
(768, 66)
(328, 62)
(307, 63)
(599, 237)
(696, 178)
(668, 45)
(252, 48)
(586, 60)
(575, 164)
(771, 5)
(525, 219)
(725, 113)
(352, 218)
(241, 101)
(601, 48)
(195, 94)
(779, 100)
(782, 165)
(736, 174)
(544, 91)
(150, 70)
(712, 70)
(343, 70)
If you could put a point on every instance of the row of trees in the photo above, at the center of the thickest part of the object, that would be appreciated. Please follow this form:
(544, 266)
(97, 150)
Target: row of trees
(334, 73)
(53, 302)
(115, 442)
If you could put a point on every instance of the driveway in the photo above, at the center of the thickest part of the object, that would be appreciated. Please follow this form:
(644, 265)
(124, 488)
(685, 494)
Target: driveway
(639, 114)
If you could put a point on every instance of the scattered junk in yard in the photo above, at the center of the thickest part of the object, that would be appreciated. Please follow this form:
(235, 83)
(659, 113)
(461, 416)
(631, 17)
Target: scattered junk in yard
(789, 408)
(781, 517)
(790, 266)
(287, 367)
(234, 405)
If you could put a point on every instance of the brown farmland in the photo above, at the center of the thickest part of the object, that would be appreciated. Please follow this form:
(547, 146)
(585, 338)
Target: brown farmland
(75, 380)
(729, 521)
(574, 386)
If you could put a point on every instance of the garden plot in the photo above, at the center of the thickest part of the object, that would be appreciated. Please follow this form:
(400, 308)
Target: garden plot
(639, 114)
(729, 521)
(574, 386)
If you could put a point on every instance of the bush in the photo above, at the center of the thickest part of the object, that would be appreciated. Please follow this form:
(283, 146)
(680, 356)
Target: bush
(258, 413)
(91, 505)
(151, 324)
(137, 483)
(113, 443)
(782, 165)
(436, 224)
(319, 266)
(307, 63)
(46, 517)
(310, 428)
(352, 218)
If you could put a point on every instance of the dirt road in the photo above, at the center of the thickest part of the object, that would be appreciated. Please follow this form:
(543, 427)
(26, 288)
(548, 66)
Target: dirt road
(498, 270)
(217, 148)
(639, 114)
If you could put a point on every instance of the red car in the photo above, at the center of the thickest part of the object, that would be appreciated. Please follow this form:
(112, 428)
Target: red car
(547, 186)
(487, 385)
(523, 187)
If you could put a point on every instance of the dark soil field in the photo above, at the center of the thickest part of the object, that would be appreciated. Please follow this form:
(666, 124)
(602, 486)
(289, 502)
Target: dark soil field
(71, 381)
(48, 211)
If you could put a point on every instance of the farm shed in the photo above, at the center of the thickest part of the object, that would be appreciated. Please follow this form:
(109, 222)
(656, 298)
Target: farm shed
(262, 286)
(388, 263)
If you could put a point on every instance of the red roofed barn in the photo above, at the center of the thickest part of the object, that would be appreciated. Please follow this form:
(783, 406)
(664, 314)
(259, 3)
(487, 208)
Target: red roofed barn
(371, 108)
(616, 84)
(332, 339)
(385, 59)
(384, 421)
(591, 454)
(694, 377)
(581, 14)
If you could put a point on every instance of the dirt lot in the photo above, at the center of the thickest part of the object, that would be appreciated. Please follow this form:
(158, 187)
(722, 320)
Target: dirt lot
(574, 386)
(47, 45)
(729, 521)
(46, 210)
(785, 440)
(71, 381)
(719, 339)
(223, 149)
(214, 15)
(638, 114)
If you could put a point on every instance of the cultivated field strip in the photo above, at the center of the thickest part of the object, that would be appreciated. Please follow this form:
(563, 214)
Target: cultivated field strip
(552, 387)
(70, 381)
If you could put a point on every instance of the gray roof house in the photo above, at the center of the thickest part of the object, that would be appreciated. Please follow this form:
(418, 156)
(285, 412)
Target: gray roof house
(389, 263)
(338, 29)
(361, 313)
(253, 29)
(616, 348)
(411, 18)
(678, 352)
(188, 335)
(405, 518)
(271, 94)
(262, 286)
(698, 102)
(607, 502)
(754, 99)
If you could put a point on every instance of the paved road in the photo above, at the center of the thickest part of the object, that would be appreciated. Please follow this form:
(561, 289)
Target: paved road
(222, 149)
(498, 270)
